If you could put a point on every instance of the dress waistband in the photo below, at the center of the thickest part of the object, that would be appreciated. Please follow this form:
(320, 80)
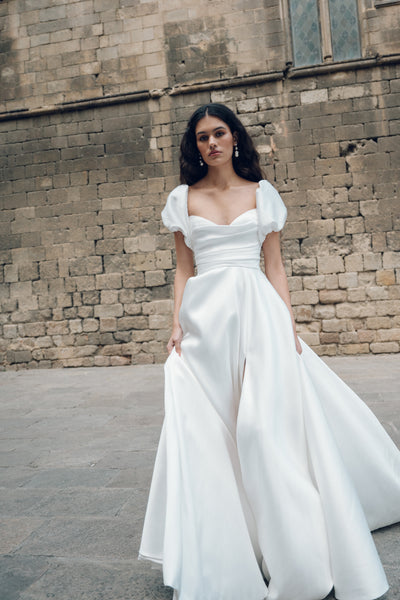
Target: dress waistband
(213, 263)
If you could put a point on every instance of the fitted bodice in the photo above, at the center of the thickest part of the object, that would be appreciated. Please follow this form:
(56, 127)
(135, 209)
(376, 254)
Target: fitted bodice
(236, 244)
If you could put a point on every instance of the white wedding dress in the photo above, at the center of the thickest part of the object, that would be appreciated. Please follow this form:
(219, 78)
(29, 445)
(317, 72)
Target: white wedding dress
(268, 463)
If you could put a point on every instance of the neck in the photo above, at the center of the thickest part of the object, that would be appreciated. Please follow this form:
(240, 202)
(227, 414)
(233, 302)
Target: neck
(221, 177)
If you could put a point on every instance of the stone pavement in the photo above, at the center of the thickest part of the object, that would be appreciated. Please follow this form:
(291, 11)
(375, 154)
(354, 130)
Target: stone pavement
(77, 450)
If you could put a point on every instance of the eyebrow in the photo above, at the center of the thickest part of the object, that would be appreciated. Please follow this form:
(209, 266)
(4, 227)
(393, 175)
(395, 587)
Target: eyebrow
(215, 129)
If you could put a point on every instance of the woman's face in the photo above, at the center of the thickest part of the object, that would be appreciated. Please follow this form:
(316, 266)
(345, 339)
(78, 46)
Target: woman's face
(215, 141)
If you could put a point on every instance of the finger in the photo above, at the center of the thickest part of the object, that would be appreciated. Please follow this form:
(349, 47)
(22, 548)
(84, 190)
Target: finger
(178, 346)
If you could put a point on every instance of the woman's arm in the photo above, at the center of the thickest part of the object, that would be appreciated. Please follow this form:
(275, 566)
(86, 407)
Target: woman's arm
(275, 272)
(184, 270)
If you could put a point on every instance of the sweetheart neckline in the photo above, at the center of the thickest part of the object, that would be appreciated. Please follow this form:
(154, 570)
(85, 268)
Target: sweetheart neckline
(258, 188)
(223, 224)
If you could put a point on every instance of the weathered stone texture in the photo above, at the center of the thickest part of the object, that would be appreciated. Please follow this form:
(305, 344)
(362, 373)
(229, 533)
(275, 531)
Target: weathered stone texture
(86, 266)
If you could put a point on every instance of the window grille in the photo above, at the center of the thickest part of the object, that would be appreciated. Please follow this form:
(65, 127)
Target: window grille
(324, 31)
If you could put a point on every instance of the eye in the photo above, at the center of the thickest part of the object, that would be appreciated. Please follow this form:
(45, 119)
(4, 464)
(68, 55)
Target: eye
(220, 133)
(203, 138)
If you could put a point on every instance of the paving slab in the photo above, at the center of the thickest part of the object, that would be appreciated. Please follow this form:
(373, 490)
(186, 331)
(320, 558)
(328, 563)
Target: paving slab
(77, 449)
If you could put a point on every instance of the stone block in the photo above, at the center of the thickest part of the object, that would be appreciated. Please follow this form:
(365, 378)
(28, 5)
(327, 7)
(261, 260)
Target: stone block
(118, 349)
(314, 282)
(379, 242)
(108, 310)
(321, 228)
(163, 259)
(90, 297)
(110, 281)
(304, 266)
(386, 277)
(109, 297)
(10, 273)
(388, 308)
(354, 225)
(372, 261)
(388, 335)
(304, 297)
(94, 265)
(108, 324)
(391, 260)
(142, 335)
(314, 96)
(378, 322)
(332, 296)
(110, 246)
(247, 106)
(329, 338)
(354, 262)
(348, 280)
(323, 312)
(29, 272)
(295, 284)
(48, 269)
(75, 325)
(158, 307)
(355, 349)
(336, 210)
(20, 290)
(154, 278)
(133, 280)
(349, 337)
(294, 230)
(127, 323)
(347, 310)
(90, 325)
(356, 295)
(18, 356)
(131, 245)
(160, 321)
(35, 329)
(85, 283)
(393, 240)
(365, 335)
(377, 293)
(330, 264)
(10, 331)
(384, 347)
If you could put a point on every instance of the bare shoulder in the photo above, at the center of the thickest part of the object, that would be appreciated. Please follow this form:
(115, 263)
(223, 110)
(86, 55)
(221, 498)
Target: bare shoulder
(247, 185)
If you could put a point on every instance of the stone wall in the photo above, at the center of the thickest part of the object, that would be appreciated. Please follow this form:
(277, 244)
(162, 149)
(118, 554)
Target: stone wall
(86, 265)
(58, 51)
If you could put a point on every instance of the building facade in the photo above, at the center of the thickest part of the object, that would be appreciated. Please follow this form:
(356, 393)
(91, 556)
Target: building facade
(94, 98)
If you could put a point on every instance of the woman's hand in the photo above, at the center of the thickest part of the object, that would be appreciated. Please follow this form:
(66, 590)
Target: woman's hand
(175, 339)
(298, 345)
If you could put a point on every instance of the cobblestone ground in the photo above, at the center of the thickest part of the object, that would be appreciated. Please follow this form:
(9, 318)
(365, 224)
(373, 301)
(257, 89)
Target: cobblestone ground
(77, 449)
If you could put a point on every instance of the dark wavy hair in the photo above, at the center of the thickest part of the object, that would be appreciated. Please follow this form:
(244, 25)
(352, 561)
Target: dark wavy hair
(247, 165)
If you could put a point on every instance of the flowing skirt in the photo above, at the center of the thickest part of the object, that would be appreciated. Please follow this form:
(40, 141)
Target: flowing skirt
(270, 471)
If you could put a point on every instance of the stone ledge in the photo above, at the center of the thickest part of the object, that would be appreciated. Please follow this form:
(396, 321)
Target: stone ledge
(288, 73)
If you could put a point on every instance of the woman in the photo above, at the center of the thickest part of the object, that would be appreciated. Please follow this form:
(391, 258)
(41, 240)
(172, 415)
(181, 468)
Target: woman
(270, 471)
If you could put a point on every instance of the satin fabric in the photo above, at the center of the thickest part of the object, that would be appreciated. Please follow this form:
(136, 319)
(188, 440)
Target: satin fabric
(269, 467)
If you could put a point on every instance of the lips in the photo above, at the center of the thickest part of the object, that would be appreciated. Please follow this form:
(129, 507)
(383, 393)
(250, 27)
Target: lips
(214, 153)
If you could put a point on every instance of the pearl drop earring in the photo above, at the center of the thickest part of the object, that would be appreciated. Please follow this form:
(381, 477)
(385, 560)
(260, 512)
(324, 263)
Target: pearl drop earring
(201, 161)
(236, 151)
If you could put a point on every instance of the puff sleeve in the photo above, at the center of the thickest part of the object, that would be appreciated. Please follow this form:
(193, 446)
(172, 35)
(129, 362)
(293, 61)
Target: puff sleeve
(272, 212)
(175, 215)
